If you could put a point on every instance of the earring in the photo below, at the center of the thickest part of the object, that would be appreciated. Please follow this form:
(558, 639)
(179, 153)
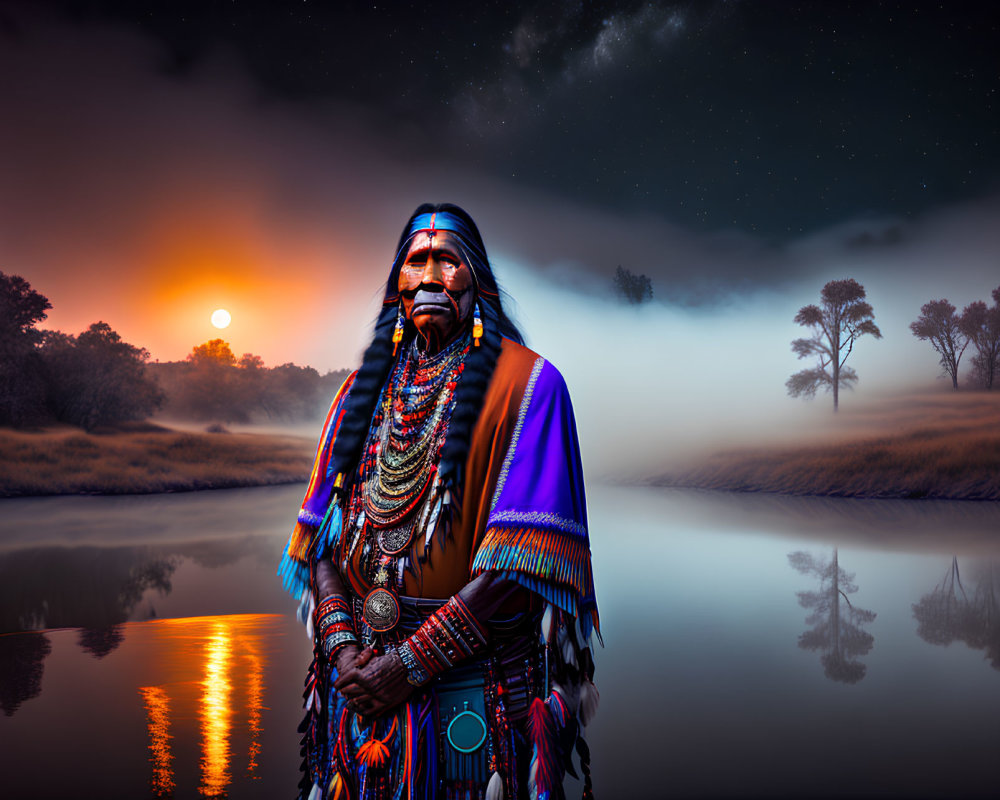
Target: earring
(397, 334)
(477, 325)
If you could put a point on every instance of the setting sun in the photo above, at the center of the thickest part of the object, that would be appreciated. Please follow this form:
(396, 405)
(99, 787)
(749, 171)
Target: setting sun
(221, 318)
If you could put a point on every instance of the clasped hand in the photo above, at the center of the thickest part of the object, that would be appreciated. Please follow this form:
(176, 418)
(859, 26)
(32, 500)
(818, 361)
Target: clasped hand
(372, 684)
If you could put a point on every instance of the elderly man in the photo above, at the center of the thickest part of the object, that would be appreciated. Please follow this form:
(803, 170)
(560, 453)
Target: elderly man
(441, 553)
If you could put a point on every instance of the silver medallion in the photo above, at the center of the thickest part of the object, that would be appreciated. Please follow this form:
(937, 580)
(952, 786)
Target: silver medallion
(381, 610)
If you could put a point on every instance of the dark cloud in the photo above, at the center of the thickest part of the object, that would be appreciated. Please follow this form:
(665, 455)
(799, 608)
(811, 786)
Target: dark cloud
(714, 116)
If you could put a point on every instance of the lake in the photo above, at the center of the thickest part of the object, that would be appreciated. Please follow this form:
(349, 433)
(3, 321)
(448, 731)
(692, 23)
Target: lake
(754, 645)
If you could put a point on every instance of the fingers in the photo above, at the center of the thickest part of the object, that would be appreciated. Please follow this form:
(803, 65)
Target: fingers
(364, 657)
(351, 676)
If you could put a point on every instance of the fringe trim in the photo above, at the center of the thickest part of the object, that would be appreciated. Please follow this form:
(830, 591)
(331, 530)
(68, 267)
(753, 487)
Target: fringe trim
(300, 541)
(548, 562)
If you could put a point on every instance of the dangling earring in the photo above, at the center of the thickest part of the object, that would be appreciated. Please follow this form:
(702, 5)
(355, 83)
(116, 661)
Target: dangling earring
(477, 325)
(397, 334)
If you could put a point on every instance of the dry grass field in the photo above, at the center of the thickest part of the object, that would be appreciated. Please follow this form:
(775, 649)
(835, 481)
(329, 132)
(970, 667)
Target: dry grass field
(146, 459)
(936, 445)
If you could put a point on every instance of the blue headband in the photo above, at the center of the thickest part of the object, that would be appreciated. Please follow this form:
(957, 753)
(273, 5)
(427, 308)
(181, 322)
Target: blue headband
(446, 221)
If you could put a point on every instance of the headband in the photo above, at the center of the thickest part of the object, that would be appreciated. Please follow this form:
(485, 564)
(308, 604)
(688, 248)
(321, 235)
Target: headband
(446, 221)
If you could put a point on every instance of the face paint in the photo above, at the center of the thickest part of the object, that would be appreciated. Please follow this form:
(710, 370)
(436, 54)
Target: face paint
(436, 287)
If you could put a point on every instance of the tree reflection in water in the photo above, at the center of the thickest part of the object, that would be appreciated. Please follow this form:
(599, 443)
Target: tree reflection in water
(21, 658)
(837, 628)
(949, 613)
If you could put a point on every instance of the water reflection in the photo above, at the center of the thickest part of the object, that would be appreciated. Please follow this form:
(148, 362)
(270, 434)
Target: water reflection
(95, 588)
(161, 783)
(21, 665)
(221, 653)
(837, 630)
(948, 613)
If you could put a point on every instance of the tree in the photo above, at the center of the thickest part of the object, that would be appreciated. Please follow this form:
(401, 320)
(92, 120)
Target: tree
(939, 324)
(631, 288)
(844, 317)
(22, 389)
(837, 631)
(97, 379)
(981, 324)
(948, 614)
(215, 351)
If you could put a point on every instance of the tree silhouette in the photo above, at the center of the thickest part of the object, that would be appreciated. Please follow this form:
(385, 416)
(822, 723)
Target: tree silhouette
(216, 351)
(22, 388)
(212, 385)
(986, 606)
(95, 588)
(949, 614)
(939, 324)
(845, 316)
(981, 324)
(944, 614)
(632, 288)
(97, 379)
(837, 631)
(22, 662)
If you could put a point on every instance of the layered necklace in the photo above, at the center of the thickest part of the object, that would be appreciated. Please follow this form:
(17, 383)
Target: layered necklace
(398, 474)
(417, 407)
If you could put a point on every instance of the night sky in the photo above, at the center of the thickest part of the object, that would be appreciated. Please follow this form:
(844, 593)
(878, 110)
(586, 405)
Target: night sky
(160, 160)
(763, 117)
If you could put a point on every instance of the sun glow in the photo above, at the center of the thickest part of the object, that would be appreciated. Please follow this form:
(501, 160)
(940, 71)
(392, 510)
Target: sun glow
(221, 318)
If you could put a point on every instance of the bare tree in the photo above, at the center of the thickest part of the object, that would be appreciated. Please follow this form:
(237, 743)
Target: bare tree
(940, 324)
(632, 288)
(981, 323)
(845, 316)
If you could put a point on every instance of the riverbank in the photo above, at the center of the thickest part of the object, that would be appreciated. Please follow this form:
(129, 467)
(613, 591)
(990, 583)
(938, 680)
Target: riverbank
(146, 459)
(936, 446)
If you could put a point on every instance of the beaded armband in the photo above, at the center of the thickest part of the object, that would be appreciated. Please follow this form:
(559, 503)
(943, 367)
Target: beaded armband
(334, 624)
(450, 635)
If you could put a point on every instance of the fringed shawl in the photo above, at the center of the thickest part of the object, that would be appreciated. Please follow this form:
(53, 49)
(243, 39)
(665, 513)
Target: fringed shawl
(295, 563)
(523, 508)
(536, 532)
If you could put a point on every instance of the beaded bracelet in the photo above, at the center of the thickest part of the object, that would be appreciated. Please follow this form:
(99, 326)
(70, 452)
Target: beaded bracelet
(450, 635)
(334, 624)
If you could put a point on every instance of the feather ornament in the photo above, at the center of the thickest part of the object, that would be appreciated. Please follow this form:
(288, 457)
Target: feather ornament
(304, 613)
(336, 789)
(548, 624)
(316, 793)
(543, 737)
(432, 523)
(494, 789)
(373, 753)
(590, 699)
(569, 652)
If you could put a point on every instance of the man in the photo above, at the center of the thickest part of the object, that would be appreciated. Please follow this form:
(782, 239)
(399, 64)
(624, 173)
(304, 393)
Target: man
(441, 553)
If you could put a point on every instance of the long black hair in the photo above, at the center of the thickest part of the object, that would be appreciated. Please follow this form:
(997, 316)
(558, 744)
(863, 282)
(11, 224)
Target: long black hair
(479, 363)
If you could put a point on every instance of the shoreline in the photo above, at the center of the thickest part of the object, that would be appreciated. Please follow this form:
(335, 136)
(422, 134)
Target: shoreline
(146, 460)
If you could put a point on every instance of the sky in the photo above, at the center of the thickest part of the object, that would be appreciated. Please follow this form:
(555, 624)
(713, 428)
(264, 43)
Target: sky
(159, 160)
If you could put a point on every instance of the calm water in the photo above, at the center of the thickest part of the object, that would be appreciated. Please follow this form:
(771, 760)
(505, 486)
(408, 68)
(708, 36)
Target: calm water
(754, 646)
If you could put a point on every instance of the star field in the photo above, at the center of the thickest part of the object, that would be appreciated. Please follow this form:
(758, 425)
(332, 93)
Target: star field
(771, 119)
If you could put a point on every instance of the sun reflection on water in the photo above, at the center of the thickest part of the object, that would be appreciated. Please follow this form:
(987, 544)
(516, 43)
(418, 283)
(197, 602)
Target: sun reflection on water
(255, 703)
(220, 656)
(216, 711)
(158, 722)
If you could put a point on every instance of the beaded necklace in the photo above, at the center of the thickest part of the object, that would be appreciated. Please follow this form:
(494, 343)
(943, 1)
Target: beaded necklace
(400, 458)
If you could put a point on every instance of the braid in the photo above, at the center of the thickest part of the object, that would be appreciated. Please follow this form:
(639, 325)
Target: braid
(479, 366)
(583, 750)
(364, 394)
